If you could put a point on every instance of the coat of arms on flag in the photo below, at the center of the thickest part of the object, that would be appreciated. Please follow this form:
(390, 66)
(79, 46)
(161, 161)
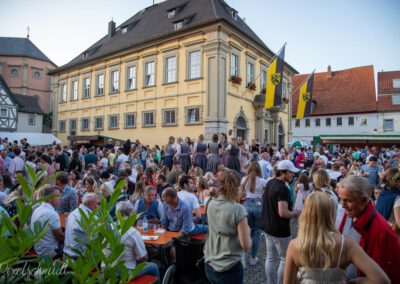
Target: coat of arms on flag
(307, 96)
(276, 78)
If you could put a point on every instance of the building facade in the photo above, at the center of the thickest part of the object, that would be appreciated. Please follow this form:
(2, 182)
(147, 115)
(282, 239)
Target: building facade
(24, 67)
(344, 103)
(177, 68)
(19, 113)
(389, 102)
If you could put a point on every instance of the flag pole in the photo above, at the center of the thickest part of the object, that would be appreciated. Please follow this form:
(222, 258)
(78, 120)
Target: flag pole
(299, 86)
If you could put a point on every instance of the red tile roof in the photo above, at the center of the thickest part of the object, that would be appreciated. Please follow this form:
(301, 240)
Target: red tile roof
(385, 103)
(346, 92)
(385, 82)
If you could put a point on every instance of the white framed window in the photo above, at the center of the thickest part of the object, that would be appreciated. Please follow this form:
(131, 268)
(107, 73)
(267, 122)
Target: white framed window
(339, 121)
(169, 117)
(85, 124)
(61, 126)
(297, 123)
(396, 99)
(263, 77)
(114, 84)
(307, 120)
(194, 64)
(86, 88)
(171, 13)
(396, 83)
(388, 125)
(170, 69)
(4, 112)
(250, 73)
(150, 74)
(63, 92)
(328, 121)
(130, 120)
(98, 123)
(234, 65)
(351, 120)
(317, 122)
(364, 121)
(113, 121)
(193, 115)
(131, 78)
(178, 25)
(32, 119)
(149, 118)
(74, 90)
(100, 85)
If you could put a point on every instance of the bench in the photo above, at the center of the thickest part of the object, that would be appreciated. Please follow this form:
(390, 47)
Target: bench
(144, 279)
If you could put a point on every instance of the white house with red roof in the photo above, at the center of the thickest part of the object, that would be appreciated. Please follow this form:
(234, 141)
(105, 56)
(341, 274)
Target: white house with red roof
(344, 103)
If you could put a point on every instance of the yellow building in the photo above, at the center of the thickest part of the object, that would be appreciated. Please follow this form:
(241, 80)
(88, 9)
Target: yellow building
(177, 68)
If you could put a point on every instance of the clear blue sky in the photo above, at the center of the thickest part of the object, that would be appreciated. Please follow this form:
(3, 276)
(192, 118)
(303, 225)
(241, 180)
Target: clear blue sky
(340, 33)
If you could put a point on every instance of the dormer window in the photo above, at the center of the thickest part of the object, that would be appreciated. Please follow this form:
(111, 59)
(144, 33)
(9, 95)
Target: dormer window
(124, 30)
(171, 13)
(85, 55)
(234, 14)
(178, 25)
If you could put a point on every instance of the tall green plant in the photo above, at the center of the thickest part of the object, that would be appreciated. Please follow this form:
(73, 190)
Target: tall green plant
(94, 265)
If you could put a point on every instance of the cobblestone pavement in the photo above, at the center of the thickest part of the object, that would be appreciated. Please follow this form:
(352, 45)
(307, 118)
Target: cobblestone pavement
(256, 274)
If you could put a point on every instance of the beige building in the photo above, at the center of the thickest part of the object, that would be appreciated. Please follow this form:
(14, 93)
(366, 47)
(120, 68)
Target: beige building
(177, 68)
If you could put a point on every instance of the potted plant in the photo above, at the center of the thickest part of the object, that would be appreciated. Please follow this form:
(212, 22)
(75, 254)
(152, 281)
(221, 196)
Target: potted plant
(236, 79)
(251, 86)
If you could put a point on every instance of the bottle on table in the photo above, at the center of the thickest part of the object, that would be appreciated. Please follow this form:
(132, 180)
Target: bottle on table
(145, 225)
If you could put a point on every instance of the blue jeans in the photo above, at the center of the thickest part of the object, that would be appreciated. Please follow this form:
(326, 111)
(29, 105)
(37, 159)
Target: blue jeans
(276, 258)
(199, 229)
(150, 269)
(254, 207)
(234, 275)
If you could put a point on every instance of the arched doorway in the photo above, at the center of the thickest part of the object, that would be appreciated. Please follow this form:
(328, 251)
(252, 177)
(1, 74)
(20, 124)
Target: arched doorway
(281, 136)
(241, 127)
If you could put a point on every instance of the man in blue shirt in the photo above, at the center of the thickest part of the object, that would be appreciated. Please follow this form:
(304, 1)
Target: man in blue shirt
(68, 198)
(371, 171)
(177, 216)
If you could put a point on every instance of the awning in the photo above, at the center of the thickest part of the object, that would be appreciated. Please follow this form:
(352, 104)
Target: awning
(34, 139)
(361, 138)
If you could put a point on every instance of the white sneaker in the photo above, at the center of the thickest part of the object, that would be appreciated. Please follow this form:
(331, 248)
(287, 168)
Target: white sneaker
(253, 261)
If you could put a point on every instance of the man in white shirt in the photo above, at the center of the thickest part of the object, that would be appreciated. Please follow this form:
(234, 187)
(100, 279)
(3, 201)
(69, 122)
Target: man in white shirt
(122, 158)
(17, 165)
(186, 185)
(75, 236)
(266, 167)
(51, 243)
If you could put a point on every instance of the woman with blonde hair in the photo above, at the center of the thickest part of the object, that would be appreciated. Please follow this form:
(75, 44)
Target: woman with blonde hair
(202, 190)
(320, 254)
(321, 182)
(355, 170)
(228, 232)
(253, 186)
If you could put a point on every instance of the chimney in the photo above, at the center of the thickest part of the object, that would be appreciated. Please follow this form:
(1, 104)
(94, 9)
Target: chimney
(329, 76)
(111, 29)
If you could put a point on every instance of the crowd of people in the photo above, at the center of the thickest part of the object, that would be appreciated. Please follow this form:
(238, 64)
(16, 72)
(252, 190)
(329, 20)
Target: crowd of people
(346, 201)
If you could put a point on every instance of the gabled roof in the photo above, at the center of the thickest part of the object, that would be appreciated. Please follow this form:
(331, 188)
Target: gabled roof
(348, 91)
(28, 104)
(15, 46)
(385, 82)
(153, 23)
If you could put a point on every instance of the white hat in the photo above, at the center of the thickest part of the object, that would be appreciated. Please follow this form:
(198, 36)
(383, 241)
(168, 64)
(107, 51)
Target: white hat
(287, 165)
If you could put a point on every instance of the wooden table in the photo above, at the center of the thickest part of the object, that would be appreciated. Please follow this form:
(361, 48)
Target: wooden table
(164, 239)
(202, 209)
